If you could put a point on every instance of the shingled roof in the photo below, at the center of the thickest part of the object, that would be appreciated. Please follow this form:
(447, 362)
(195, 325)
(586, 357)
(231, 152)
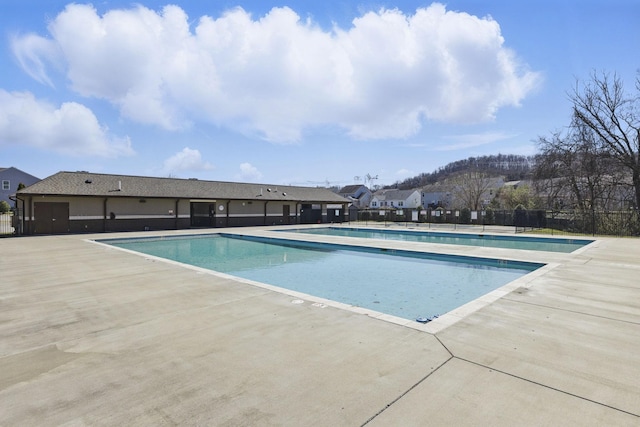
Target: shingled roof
(93, 184)
(393, 194)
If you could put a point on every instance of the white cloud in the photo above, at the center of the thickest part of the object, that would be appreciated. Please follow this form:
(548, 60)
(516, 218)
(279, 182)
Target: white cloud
(460, 142)
(186, 160)
(32, 53)
(70, 128)
(278, 75)
(248, 173)
(403, 173)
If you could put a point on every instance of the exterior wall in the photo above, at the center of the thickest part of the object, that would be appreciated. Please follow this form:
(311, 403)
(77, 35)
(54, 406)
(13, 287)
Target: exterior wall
(13, 177)
(236, 213)
(98, 214)
(105, 214)
(375, 202)
(365, 200)
(435, 199)
(360, 198)
(413, 201)
(129, 214)
(85, 215)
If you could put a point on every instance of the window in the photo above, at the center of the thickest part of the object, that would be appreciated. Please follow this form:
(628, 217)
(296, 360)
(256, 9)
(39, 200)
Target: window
(6, 184)
(401, 203)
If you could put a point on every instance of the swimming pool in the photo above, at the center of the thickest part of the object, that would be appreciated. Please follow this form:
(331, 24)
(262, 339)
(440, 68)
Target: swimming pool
(549, 244)
(409, 285)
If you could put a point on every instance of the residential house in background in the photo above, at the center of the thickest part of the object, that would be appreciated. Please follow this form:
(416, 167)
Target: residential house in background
(436, 196)
(10, 178)
(358, 194)
(396, 199)
(452, 194)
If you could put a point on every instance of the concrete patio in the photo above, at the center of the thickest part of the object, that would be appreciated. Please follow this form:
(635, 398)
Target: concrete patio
(92, 335)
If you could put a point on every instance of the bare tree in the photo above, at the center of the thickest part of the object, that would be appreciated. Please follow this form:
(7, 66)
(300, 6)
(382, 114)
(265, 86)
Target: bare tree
(602, 105)
(471, 188)
(574, 170)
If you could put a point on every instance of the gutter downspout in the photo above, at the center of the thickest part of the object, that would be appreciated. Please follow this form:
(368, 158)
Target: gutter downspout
(177, 219)
(22, 225)
(31, 215)
(265, 212)
(104, 215)
(228, 203)
(298, 205)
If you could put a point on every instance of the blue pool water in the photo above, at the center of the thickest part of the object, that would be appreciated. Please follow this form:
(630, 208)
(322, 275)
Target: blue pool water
(404, 284)
(509, 242)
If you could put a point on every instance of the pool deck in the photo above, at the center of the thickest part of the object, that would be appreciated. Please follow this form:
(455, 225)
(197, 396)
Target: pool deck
(93, 335)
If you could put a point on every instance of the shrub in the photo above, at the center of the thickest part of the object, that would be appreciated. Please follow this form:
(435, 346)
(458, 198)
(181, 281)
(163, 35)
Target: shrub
(4, 206)
(489, 217)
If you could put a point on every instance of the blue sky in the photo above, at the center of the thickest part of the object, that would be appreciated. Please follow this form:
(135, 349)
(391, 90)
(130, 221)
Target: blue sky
(295, 92)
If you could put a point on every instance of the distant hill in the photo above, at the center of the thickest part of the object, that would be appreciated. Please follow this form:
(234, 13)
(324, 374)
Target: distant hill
(512, 166)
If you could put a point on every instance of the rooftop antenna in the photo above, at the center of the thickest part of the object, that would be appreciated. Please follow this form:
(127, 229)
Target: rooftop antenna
(369, 178)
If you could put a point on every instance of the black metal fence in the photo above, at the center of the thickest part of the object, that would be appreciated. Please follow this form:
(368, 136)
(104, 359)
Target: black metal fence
(613, 223)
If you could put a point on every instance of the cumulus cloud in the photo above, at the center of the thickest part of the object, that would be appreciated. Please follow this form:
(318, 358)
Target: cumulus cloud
(70, 128)
(248, 173)
(186, 160)
(277, 75)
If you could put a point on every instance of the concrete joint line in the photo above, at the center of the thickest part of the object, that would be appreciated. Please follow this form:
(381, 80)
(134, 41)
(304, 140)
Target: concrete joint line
(388, 405)
(549, 387)
(570, 311)
(444, 346)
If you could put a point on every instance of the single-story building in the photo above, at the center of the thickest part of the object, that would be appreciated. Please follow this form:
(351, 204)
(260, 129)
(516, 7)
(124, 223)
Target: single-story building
(78, 202)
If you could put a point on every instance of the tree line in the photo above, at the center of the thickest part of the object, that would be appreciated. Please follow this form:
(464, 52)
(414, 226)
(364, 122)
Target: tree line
(593, 163)
(596, 158)
(512, 166)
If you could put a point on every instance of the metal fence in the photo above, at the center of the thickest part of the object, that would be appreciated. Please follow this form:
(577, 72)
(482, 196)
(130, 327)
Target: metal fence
(610, 223)
(7, 226)
(613, 223)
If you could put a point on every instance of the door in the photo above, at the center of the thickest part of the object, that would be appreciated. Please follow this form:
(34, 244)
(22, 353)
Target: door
(335, 215)
(310, 214)
(203, 214)
(51, 218)
(286, 214)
